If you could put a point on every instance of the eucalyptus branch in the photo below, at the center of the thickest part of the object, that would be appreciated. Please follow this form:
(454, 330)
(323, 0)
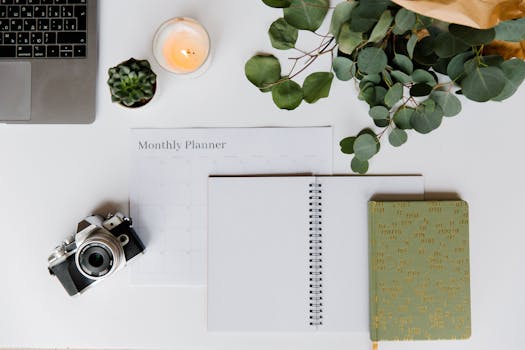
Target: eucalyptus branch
(407, 50)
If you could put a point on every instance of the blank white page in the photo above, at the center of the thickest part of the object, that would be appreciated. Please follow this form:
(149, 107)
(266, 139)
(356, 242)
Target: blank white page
(258, 254)
(345, 243)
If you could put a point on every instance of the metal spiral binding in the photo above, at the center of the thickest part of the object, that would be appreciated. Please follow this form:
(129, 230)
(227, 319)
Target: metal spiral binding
(315, 255)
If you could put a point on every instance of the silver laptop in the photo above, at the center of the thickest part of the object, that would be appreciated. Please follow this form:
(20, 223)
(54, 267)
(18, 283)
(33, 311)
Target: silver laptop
(48, 61)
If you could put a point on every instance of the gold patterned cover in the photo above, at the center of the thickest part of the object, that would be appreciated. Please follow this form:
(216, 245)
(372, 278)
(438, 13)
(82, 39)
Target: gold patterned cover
(419, 270)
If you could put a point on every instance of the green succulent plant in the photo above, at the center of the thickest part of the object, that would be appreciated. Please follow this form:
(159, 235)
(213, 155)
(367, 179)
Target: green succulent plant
(132, 83)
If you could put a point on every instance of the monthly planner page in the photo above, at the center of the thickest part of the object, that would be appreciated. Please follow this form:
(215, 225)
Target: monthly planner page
(168, 187)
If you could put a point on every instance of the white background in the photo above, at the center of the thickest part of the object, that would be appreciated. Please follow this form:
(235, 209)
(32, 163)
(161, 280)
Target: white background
(52, 176)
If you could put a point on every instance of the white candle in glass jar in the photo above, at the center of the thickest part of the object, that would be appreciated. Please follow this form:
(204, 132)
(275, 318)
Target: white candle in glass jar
(182, 46)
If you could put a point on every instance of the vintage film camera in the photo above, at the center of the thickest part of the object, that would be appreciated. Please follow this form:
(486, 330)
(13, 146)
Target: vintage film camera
(98, 249)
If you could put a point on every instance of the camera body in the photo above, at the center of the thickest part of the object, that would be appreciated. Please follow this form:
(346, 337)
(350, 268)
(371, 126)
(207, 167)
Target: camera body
(100, 247)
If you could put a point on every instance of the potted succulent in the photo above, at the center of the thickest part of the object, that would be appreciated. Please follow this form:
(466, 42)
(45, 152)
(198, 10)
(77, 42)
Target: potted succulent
(132, 83)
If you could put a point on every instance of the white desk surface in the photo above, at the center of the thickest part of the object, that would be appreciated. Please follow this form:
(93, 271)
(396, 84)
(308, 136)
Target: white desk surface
(52, 176)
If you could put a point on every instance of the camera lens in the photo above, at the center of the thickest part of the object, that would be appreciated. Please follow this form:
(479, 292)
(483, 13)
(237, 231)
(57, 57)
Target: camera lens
(99, 255)
(96, 260)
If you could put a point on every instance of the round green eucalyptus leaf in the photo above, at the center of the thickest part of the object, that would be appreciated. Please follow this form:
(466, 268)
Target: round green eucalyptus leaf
(483, 84)
(365, 147)
(404, 63)
(347, 145)
(402, 118)
(514, 71)
(380, 95)
(361, 19)
(381, 28)
(368, 94)
(484, 61)
(411, 45)
(449, 103)
(472, 36)
(306, 14)
(370, 78)
(341, 15)
(456, 66)
(282, 35)
(441, 65)
(397, 137)
(372, 60)
(448, 45)
(400, 77)
(277, 3)
(344, 68)
(379, 112)
(262, 70)
(359, 166)
(394, 94)
(371, 132)
(405, 21)
(317, 85)
(425, 46)
(287, 95)
(425, 120)
(381, 123)
(420, 89)
(423, 76)
(348, 40)
(511, 30)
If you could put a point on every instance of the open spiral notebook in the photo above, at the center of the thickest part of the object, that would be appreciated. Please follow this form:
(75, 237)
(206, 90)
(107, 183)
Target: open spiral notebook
(291, 253)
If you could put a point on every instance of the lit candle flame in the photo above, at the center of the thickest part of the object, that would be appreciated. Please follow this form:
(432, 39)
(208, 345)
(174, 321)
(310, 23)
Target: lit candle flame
(186, 52)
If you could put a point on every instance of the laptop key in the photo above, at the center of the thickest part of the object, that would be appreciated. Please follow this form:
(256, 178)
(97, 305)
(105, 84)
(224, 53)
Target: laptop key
(81, 14)
(24, 51)
(37, 38)
(39, 11)
(76, 1)
(17, 25)
(43, 24)
(39, 51)
(9, 39)
(3, 11)
(22, 38)
(71, 38)
(26, 11)
(4, 25)
(46, 2)
(79, 51)
(66, 54)
(52, 51)
(53, 11)
(13, 11)
(61, 2)
(70, 24)
(67, 11)
(20, 2)
(50, 38)
(7, 51)
(6, 2)
(33, 2)
(57, 24)
(29, 25)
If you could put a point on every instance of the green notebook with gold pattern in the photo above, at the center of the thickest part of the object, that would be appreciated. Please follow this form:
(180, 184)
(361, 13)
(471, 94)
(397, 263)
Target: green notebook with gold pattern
(419, 270)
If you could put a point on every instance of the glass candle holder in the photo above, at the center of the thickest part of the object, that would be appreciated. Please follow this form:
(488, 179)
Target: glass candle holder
(182, 46)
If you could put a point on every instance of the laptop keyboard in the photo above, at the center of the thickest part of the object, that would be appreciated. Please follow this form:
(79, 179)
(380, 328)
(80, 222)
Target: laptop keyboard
(43, 28)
